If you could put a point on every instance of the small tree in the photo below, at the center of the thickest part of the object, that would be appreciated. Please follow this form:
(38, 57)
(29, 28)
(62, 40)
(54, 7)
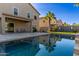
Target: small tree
(55, 28)
(34, 29)
(50, 16)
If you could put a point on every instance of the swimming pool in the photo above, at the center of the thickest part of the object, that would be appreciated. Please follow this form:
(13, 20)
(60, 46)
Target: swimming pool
(48, 45)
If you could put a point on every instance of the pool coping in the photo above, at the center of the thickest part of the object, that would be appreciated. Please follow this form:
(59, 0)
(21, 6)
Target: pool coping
(18, 36)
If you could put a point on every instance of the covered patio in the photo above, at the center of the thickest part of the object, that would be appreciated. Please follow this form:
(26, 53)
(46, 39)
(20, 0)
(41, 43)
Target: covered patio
(10, 23)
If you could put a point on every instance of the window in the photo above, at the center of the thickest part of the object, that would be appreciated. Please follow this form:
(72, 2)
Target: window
(54, 21)
(28, 15)
(44, 21)
(15, 11)
(35, 17)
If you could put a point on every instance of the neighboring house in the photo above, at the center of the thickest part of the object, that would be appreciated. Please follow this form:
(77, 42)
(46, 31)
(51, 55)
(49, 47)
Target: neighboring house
(43, 24)
(17, 17)
(59, 22)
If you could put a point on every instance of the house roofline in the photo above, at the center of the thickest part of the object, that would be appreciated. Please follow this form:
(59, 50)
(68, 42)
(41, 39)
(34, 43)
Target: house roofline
(33, 8)
(41, 17)
(16, 17)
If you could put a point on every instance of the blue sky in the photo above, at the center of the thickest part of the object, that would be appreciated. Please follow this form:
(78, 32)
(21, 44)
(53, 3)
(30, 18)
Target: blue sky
(67, 12)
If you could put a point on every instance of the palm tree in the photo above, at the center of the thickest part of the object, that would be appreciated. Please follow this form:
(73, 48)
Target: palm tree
(50, 16)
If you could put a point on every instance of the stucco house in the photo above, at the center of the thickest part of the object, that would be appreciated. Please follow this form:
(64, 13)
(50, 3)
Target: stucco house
(17, 17)
(44, 24)
(59, 22)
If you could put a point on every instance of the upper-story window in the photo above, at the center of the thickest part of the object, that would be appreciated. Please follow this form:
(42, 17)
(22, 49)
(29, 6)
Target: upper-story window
(16, 11)
(35, 17)
(28, 15)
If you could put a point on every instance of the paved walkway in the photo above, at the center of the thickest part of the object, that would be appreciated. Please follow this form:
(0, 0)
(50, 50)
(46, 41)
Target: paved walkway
(18, 36)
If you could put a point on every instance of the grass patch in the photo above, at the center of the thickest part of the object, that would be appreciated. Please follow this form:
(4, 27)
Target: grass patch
(63, 33)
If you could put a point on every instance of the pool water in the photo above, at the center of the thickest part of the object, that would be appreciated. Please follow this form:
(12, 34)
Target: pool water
(49, 45)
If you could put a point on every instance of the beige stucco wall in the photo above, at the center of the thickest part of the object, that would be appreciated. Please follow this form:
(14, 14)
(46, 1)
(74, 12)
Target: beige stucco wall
(20, 26)
(24, 9)
(0, 25)
(43, 24)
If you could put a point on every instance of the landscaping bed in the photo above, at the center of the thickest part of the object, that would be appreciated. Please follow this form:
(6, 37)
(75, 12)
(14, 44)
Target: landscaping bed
(69, 33)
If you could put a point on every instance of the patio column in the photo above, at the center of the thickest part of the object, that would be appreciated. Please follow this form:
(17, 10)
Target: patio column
(3, 24)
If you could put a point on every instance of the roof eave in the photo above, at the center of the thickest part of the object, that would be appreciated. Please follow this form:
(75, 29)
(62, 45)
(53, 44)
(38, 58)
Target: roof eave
(34, 8)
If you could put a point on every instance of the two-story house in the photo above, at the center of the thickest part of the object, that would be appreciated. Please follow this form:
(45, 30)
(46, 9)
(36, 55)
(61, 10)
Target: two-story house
(17, 17)
(44, 24)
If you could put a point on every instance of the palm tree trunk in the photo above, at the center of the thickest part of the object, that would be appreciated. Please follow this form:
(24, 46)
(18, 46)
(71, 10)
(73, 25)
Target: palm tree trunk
(49, 24)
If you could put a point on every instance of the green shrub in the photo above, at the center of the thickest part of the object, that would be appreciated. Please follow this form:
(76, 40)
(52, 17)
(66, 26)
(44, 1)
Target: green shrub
(34, 29)
(75, 31)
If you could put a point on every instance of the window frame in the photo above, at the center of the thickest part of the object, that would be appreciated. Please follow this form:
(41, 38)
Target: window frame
(35, 17)
(28, 15)
(17, 11)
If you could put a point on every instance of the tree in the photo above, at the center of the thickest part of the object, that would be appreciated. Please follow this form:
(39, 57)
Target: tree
(34, 29)
(65, 24)
(75, 24)
(50, 16)
(55, 28)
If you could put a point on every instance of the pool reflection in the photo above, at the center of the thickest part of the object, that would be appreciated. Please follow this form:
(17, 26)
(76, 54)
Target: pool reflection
(41, 46)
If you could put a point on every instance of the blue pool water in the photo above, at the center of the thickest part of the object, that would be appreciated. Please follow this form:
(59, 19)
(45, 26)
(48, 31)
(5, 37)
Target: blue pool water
(49, 45)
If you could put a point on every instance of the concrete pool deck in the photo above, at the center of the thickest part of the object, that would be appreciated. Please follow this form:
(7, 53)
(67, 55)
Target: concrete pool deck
(76, 48)
(18, 36)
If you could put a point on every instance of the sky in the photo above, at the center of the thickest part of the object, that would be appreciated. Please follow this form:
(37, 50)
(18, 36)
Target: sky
(67, 12)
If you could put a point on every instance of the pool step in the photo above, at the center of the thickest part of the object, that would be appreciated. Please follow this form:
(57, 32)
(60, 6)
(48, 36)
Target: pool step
(76, 51)
(75, 54)
(77, 46)
(77, 38)
(77, 42)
